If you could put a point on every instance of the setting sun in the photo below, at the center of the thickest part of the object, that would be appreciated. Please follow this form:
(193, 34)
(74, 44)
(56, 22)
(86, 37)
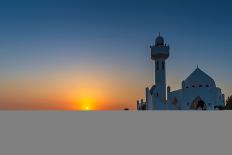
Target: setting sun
(86, 103)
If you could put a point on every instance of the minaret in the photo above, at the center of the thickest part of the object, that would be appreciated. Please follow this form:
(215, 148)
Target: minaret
(159, 53)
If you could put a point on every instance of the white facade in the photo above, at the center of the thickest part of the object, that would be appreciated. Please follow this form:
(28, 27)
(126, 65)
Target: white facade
(198, 91)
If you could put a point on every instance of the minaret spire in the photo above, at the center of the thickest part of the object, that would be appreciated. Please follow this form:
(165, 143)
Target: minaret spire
(159, 53)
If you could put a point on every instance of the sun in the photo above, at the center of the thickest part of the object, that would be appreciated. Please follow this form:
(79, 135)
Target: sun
(86, 104)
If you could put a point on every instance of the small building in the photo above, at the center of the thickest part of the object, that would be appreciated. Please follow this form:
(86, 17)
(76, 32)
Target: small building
(198, 91)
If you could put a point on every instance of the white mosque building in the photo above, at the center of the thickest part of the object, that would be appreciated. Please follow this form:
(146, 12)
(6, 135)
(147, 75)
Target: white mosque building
(198, 92)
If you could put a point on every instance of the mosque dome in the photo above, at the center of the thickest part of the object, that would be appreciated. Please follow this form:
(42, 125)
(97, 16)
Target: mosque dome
(159, 40)
(198, 78)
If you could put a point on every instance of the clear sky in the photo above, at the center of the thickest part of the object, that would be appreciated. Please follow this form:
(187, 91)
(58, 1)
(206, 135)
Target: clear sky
(66, 54)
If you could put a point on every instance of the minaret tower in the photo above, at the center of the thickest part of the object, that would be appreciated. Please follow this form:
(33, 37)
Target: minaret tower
(159, 53)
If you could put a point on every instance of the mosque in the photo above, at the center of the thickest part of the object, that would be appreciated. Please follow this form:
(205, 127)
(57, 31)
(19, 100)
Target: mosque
(198, 91)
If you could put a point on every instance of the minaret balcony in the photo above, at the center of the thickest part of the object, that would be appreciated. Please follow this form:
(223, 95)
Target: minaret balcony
(158, 52)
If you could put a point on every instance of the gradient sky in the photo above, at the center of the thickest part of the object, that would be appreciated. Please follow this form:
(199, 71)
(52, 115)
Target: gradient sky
(72, 55)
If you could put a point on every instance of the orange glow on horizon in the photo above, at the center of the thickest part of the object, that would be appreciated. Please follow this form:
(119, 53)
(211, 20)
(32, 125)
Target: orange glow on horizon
(91, 90)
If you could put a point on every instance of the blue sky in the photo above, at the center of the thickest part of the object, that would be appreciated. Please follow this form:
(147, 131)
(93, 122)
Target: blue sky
(52, 38)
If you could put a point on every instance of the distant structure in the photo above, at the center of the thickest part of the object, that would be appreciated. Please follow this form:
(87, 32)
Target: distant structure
(198, 92)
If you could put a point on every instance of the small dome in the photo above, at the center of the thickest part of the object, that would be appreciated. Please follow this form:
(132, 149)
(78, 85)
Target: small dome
(198, 78)
(152, 89)
(159, 40)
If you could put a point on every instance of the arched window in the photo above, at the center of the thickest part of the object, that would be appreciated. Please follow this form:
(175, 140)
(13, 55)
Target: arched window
(163, 65)
(157, 65)
(200, 85)
(193, 86)
(207, 85)
(157, 94)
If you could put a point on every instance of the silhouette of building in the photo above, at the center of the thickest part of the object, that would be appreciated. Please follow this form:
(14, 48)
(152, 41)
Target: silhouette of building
(198, 92)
